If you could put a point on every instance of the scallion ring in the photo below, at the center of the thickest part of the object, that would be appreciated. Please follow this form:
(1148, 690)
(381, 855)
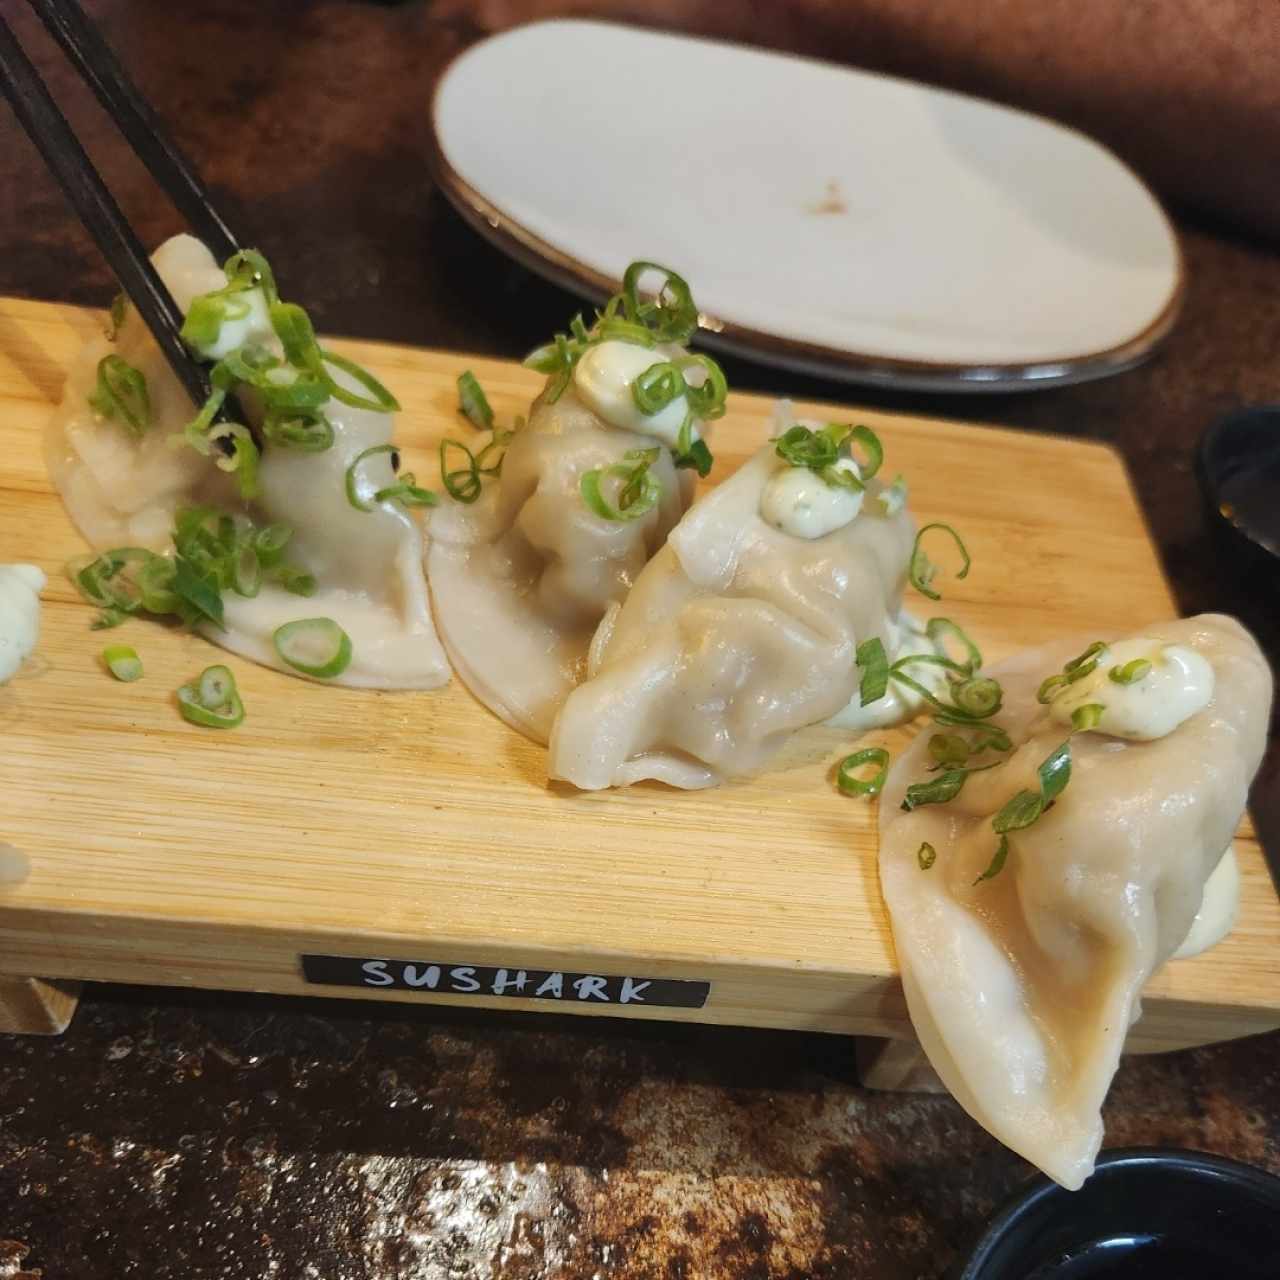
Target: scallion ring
(894, 498)
(123, 662)
(923, 570)
(248, 269)
(1087, 717)
(873, 451)
(379, 398)
(473, 403)
(707, 397)
(242, 461)
(317, 647)
(121, 395)
(638, 491)
(948, 748)
(1131, 672)
(213, 702)
(671, 315)
(658, 386)
(978, 696)
(926, 855)
(939, 630)
(353, 478)
(874, 666)
(877, 757)
(305, 432)
(946, 786)
(463, 484)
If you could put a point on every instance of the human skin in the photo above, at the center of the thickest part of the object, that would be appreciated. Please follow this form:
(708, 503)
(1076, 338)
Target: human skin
(1186, 93)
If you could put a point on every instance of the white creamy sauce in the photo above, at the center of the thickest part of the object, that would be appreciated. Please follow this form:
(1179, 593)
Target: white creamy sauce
(800, 502)
(20, 587)
(1218, 909)
(899, 704)
(1179, 684)
(603, 379)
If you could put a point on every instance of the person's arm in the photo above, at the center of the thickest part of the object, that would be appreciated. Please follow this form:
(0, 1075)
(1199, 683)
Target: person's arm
(1187, 93)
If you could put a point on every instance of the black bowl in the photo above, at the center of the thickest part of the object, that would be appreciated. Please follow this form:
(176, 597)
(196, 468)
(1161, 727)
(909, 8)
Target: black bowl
(1238, 464)
(1146, 1214)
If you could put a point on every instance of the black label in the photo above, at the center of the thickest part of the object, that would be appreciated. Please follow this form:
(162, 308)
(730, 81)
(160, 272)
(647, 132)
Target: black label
(447, 979)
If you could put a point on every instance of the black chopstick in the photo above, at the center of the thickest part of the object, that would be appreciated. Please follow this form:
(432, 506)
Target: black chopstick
(102, 71)
(75, 172)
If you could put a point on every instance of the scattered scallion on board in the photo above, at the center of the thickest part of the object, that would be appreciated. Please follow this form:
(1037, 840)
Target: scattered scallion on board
(923, 570)
(123, 662)
(212, 701)
(869, 757)
(473, 403)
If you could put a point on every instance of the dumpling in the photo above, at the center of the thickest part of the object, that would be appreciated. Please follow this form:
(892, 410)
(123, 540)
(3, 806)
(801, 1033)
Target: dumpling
(746, 626)
(320, 534)
(20, 587)
(589, 489)
(1029, 909)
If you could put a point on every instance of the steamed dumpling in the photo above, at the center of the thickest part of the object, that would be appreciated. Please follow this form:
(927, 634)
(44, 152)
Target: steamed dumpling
(125, 489)
(522, 577)
(740, 632)
(1022, 986)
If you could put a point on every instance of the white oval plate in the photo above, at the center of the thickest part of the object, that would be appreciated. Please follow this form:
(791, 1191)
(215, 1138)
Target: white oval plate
(829, 220)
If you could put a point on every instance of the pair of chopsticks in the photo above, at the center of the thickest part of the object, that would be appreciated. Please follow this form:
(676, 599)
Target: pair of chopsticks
(61, 150)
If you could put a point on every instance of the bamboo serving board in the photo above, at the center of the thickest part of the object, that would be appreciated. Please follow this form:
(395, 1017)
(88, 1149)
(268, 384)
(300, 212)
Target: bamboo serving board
(382, 828)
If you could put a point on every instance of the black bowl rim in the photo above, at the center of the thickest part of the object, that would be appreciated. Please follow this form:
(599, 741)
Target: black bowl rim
(1245, 1176)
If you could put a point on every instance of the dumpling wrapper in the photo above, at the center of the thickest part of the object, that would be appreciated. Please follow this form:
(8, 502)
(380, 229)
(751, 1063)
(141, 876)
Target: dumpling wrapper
(124, 492)
(1022, 988)
(735, 637)
(521, 578)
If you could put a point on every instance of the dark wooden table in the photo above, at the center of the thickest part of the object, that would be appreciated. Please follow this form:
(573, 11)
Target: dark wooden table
(181, 1135)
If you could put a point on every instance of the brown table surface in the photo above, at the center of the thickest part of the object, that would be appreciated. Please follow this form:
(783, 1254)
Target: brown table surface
(172, 1134)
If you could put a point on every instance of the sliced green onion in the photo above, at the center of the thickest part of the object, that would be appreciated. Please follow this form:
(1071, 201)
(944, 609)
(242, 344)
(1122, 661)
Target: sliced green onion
(463, 484)
(842, 478)
(658, 386)
(108, 619)
(697, 456)
(639, 491)
(996, 865)
(270, 542)
(979, 696)
(246, 575)
(213, 701)
(379, 398)
(894, 498)
(242, 461)
(948, 748)
(155, 583)
(497, 446)
(297, 336)
(198, 595)
(407, 492)
(121, 395)
(353, 476)
(116, 315)
(939, 630)
(1050, 688)
(123, 662)
(206, 316)
(923, 570)
(473, 403)
(873, 450)
(1055, 773)
(946, 786)
(306, 432)
(802, 447)
(671, 315)
(874, 665)
(315, 646)
(869, 756)
(296, 581)
(248, 269)
(1087, 717)
(1131, 672)
(1019, 812)
(707, 398)
(926, 855)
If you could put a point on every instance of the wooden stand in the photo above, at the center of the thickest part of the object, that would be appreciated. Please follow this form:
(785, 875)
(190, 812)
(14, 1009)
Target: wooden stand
(34, 1007)
(407, 846)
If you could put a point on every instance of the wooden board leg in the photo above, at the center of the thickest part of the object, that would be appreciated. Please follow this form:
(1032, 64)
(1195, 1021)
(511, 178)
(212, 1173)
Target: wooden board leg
(895, 1065)
(34, 1007)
